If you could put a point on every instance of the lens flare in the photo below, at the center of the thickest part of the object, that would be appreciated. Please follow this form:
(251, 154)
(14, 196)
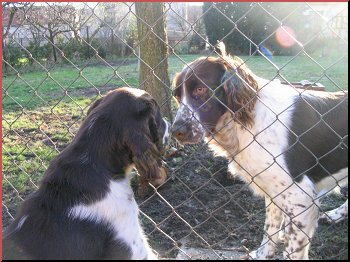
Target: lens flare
(285, 36)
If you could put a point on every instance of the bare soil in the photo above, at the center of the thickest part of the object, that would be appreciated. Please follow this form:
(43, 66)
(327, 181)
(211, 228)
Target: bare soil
(202, 206)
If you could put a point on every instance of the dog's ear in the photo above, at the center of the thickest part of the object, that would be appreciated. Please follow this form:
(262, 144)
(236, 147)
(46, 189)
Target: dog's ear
(94, 105)
(143, 105)
(145, 156)
(240, 89)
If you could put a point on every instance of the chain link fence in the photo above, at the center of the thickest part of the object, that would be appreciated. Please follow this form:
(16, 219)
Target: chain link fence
(58, 58)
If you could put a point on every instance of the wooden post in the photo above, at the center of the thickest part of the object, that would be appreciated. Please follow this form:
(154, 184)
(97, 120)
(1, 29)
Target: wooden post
(154, 67)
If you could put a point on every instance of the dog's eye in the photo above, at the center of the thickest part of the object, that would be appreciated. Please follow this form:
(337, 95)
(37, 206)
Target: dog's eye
(198, 91)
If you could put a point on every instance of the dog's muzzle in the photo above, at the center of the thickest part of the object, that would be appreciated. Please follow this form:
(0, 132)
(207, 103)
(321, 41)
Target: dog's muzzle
(187, 133)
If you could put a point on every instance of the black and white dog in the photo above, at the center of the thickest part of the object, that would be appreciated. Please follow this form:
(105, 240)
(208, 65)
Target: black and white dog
(289, 145)
(85, 207)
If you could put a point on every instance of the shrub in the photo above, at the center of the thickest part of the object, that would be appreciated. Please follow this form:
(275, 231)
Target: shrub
(181, 48)
(12, 53)
(77, 50)
(40, 53)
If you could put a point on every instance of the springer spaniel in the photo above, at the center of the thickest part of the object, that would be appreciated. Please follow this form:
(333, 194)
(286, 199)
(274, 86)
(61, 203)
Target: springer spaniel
(289, 145)
(85, 206)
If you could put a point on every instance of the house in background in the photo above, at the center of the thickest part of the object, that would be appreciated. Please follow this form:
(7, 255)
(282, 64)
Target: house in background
(30, 25)
(37, 24)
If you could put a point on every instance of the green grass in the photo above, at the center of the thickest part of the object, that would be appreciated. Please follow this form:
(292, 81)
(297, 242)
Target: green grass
(51, 86)
(28, 132)
(27, 146)
(333, 76)
(25, 88)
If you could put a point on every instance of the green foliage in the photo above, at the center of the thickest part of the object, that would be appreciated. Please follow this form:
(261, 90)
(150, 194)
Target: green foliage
(198, 38)
(131, 36)
(220, 22)
(39, 53)
(12, 53)
(82, 50)
(181, 48)
(244, 25)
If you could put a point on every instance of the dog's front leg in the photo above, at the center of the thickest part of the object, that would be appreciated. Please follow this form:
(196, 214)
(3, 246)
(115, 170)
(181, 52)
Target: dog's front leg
(271, 232)
(301, 213)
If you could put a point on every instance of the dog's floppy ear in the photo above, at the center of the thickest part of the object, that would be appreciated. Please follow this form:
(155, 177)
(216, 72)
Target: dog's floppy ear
(143, 105)
(94, 105)
(240, 89)
(145, 156)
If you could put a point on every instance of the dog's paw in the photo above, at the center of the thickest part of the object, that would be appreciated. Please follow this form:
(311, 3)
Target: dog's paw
(332, 217)
(152, 256)
(245, 257)
(261, 253)
(326, 219)
(254, 255)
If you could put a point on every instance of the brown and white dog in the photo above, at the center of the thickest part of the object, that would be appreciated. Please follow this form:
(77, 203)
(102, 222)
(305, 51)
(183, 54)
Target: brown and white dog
(289, 145)
(85, 206)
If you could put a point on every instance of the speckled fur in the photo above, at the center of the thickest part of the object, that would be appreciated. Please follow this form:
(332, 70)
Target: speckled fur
(257, 155)
(291, 148)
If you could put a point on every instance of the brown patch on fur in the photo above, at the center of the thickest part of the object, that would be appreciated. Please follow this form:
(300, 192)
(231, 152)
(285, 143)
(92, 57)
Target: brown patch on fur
(300, 225)
(240, 87)
(162, 178)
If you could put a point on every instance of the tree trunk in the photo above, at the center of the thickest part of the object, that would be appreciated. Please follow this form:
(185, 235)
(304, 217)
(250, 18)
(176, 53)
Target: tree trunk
(5, 34)
(154, 67)
(4, 55)
(88, 41)
(53, 45)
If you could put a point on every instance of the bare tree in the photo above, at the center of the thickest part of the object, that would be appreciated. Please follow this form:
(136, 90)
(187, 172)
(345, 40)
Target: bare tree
(55, 20)
(177, 16)
(120, 23)
(13, 8)
(76, 18)
(154, 68)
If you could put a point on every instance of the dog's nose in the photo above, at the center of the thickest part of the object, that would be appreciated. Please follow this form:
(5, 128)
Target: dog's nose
(179, 130)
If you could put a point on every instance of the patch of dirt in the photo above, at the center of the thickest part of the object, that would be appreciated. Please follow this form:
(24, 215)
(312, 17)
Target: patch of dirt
(203, 206)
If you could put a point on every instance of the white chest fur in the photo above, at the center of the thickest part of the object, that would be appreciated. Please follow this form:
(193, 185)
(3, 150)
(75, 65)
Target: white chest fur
(120, 210)
(257, 151)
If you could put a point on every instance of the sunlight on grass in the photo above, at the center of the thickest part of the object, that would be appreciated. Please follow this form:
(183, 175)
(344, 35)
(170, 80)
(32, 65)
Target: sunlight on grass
(23, 61)
(36, 89)
(26, 144)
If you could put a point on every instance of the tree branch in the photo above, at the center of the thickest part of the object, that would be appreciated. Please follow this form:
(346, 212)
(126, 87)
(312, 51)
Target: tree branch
(96, 31)
(12, 15)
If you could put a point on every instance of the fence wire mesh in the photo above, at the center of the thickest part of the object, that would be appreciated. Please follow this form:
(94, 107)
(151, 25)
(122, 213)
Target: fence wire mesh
(58, 58)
